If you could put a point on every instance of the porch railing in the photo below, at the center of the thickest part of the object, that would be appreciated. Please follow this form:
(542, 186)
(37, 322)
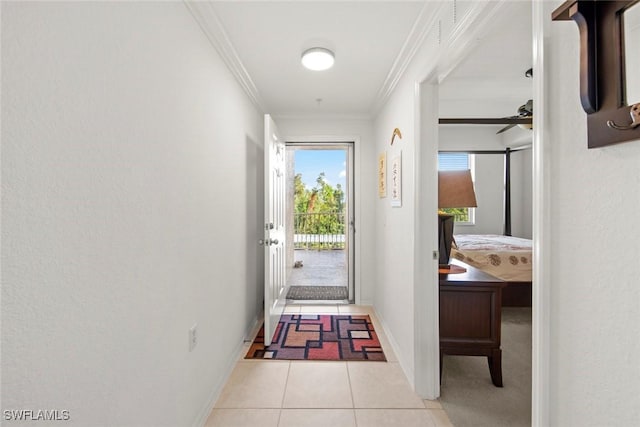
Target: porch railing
(319, 230)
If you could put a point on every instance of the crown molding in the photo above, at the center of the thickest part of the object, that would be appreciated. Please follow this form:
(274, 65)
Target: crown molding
(459, 42)
(427, 18)
(323, 116)
(210, 24)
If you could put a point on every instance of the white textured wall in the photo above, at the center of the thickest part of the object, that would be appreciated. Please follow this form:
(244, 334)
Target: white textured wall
(489, 195)
(522, 193)
(594, 292)
(364, 181)
(131, 165)
(632, 59)
(394, 228)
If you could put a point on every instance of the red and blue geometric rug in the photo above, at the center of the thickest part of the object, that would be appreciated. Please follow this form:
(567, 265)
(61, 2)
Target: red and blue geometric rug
(320, 337)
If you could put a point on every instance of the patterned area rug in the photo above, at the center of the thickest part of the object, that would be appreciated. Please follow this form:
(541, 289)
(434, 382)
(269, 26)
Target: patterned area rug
(320, 337)
(317, 293)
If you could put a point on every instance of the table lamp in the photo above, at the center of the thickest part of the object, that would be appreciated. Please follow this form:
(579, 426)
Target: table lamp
(455, 190)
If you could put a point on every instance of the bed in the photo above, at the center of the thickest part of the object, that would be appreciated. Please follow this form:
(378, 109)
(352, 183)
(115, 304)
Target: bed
(505, 257)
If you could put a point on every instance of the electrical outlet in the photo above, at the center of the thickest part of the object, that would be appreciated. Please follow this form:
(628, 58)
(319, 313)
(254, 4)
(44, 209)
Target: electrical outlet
(193, 337)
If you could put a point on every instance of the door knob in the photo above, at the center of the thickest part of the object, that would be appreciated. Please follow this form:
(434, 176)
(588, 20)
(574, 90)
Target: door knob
(268, 242)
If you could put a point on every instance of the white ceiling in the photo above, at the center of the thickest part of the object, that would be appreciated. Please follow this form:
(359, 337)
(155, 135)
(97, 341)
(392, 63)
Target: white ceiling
(368, 38)
(270, 37)
(490, 81)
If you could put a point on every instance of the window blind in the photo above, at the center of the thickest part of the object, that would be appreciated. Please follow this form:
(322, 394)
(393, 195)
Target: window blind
(453, 161)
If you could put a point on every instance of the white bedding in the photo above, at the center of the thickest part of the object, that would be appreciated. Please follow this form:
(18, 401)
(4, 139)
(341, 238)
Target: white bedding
(505, 257)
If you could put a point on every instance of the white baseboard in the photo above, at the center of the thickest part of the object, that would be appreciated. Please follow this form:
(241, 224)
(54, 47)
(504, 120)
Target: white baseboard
(396, 349)
(204, 413)
(254, 327)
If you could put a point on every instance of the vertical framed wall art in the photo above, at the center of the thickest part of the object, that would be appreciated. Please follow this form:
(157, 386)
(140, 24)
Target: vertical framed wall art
(396, 180)
(382, 175)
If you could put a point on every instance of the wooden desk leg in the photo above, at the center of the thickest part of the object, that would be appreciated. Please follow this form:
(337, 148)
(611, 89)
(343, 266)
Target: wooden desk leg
(495, 366)
(440, 366)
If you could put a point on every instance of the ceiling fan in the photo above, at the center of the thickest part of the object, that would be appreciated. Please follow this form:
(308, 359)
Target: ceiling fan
(524, 111)
(524, 118)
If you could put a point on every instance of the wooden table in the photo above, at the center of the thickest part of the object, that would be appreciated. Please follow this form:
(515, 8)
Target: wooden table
(470, 316)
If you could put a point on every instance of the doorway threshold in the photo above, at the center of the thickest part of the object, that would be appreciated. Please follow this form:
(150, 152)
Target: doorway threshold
(317, 302)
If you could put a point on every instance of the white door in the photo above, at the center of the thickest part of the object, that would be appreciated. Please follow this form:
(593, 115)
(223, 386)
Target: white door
(274, 231)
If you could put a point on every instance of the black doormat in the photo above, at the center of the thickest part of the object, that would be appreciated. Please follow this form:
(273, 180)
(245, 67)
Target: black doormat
(318, 293)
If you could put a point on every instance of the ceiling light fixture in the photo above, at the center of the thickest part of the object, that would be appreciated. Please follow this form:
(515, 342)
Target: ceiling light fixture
(318, 59)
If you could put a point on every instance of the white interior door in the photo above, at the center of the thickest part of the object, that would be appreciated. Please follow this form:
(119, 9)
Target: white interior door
(274, 231)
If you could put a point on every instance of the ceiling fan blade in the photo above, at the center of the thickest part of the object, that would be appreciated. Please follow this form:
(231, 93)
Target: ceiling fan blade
(505, 128)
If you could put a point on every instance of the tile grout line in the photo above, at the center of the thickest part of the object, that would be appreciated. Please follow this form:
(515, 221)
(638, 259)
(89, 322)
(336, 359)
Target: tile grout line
(353, 400)
(286, 384)
(284, 393)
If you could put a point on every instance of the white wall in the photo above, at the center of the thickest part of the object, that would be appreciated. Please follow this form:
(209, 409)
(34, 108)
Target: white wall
(337, 129)
(522, 193)
(131, 193)
(632, 61)
(489, 195)
(394, 229)
(593, 288)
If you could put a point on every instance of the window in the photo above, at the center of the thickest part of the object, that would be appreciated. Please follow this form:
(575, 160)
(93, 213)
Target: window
(459, 161)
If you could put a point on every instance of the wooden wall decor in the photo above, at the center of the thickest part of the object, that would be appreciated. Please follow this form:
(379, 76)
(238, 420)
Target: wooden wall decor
(396, 132)
(610, 119)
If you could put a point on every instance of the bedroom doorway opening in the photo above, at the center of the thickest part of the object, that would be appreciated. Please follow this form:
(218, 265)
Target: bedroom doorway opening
(493, 237)
(320, 222)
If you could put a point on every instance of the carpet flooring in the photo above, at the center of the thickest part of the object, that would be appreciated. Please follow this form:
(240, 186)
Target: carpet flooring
(469, 397)
(320, 337)
(332, 293)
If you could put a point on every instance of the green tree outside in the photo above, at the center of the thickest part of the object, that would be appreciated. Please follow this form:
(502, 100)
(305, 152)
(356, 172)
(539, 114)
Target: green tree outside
(319, 210)
(459, 214)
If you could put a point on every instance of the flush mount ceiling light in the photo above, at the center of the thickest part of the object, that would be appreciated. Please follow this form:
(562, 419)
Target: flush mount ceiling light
(318, 59)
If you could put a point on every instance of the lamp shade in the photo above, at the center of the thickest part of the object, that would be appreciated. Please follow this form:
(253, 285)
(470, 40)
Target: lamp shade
(455, 189)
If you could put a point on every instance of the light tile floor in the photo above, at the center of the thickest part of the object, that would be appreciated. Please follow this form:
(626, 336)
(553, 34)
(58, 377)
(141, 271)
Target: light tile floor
(325, 394)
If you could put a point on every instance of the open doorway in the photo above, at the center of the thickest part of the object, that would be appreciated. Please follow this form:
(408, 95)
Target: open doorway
(493, 236)
(320, 222)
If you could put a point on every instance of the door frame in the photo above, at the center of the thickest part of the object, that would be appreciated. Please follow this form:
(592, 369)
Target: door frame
(426, 327)
(350, 233)
(354, 189)
(426, 289)
(541, 302)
